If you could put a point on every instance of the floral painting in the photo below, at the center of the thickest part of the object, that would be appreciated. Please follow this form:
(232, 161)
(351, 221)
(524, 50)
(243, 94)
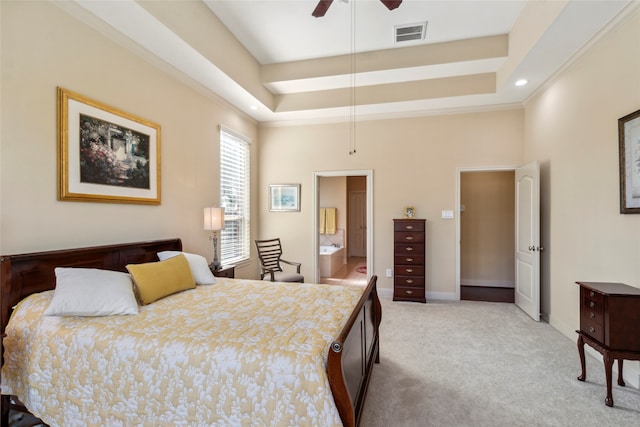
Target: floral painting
(112, 154)
(105, 154)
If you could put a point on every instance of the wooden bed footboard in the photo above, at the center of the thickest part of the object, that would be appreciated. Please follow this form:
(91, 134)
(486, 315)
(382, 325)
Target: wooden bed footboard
(352, 355)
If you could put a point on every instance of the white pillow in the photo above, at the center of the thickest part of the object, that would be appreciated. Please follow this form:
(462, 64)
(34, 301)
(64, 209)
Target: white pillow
(92, 292)
(198, 264)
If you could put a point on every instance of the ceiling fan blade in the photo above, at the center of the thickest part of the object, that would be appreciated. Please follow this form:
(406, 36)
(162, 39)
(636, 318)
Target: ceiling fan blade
(321, 8)
(391, 4)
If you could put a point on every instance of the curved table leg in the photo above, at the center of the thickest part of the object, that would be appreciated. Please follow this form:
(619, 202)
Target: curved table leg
(583, 376)
(608, 365)
(620, 378)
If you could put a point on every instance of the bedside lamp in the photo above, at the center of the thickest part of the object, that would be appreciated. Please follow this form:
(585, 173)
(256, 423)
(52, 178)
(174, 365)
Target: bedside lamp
(214, 221)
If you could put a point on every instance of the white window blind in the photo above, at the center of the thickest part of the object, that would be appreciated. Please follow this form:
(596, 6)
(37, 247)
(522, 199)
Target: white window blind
(235, 242)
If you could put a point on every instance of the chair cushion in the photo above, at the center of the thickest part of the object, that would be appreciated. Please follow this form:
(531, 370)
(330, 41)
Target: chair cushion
(285, 276)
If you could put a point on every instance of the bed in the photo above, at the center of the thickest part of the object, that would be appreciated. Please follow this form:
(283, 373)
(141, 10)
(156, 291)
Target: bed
(326, 387)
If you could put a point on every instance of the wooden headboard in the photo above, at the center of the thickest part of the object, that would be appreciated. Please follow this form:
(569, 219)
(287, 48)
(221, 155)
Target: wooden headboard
(25, 274)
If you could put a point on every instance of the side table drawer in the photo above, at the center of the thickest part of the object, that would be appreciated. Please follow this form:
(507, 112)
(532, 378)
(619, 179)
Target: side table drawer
(592, 315)
(588, 294)
(591, 328)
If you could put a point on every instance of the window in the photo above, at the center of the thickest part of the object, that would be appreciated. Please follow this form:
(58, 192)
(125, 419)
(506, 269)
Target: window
(235, 242)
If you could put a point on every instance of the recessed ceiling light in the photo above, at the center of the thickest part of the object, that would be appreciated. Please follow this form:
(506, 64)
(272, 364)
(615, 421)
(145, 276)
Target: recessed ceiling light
(254, 107)
(521, 82)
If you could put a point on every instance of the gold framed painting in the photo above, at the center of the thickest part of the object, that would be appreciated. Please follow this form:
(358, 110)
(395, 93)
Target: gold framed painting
(105, 154)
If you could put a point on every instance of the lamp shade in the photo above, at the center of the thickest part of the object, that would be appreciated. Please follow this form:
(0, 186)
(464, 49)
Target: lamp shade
(213, 219)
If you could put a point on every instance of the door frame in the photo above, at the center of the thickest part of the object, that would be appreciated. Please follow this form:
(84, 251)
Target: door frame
(368, 173)
(459, 172)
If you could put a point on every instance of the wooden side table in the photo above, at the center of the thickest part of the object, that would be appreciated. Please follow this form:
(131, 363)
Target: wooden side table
(609, 319)
(228, 271)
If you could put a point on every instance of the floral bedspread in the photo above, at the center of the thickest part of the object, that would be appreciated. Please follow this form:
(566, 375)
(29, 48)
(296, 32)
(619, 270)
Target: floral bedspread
(237, 353)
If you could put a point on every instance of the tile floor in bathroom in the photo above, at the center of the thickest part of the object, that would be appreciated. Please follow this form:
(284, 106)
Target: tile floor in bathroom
(347, 275)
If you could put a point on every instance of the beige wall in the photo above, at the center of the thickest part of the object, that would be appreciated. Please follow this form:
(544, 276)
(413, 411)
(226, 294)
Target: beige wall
(487, 229)
(414, 163)
(571, 127)
(42, 48)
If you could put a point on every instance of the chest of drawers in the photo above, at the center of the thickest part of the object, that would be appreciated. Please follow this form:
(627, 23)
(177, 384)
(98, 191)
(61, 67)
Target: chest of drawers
(610, 323)
(409, 260)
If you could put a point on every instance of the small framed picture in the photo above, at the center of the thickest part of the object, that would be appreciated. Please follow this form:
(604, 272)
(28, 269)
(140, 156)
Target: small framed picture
(409, 212)
(284, 197)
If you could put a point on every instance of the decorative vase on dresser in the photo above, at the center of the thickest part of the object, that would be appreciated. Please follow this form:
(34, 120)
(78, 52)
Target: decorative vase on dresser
(409, 260)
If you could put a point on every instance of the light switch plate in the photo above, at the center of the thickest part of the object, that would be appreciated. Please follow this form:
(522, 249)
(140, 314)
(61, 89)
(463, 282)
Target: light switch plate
(447, 214)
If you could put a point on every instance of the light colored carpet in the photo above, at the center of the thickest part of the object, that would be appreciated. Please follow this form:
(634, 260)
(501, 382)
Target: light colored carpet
(485, 364)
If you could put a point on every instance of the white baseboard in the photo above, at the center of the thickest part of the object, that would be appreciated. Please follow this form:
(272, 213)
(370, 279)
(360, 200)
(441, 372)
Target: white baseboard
(441, 296)
(385, 292)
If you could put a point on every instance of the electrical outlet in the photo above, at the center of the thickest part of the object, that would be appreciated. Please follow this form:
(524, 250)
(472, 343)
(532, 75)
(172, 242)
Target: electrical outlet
(389, 274)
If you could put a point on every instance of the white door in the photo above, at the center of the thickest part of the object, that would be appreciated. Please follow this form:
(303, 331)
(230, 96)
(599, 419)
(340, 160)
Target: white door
(357, 226)
(527, 292)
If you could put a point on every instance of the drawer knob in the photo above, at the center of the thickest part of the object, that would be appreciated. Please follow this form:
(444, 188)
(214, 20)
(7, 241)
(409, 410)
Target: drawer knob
(409, 249)
(409, 281)
(409, 259)
(593, 315)
(409, 227)
(591, 293)
(409, 238)
(592, 329)
(592, 304)
(409, 270)
(409, 292)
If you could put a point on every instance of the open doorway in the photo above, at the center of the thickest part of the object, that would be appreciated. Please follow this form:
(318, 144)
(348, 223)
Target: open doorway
(487, 235)
(343, 241)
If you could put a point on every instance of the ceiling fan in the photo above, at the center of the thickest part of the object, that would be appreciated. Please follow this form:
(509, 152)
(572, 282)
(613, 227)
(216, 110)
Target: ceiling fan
(323, 6)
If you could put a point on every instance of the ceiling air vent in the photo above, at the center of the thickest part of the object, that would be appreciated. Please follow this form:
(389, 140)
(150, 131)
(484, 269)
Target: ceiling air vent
(405, 33)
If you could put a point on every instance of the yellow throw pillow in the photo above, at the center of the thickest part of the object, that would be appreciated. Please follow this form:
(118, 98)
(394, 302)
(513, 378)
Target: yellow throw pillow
(155, 280)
